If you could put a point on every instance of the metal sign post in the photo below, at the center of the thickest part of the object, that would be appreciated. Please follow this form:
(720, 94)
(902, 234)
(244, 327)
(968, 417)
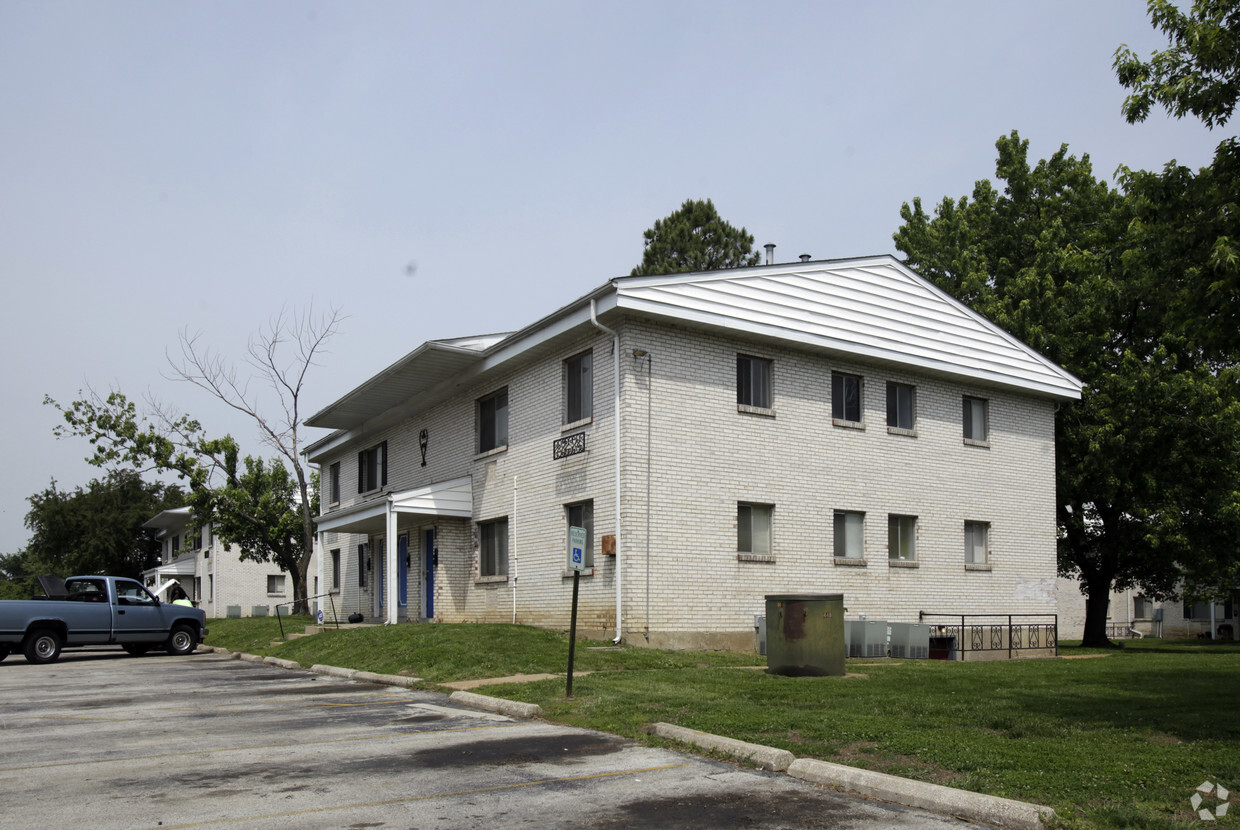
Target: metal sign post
(576, 562)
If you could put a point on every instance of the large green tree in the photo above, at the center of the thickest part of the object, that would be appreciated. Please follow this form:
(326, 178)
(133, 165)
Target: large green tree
(1145, 461)
(96, 528)
(694, 238)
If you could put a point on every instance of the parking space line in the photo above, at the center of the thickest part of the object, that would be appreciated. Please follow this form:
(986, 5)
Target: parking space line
(361, 805)
(188, 753)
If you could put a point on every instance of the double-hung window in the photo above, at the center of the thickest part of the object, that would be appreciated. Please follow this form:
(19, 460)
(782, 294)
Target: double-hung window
(902, 538)
(900, 401)
(372, 468)
(976, 543)
(753, 382)
(582, 515)
(275, 584)
(846, 397)
(849, 534)
(333, 483)
(753, 529)
(336, 569)
(493, 548)
(493, 421)
(976, 420)
(579, 388)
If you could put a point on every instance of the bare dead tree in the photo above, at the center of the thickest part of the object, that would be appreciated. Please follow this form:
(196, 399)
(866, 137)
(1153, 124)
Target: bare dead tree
(279, 357)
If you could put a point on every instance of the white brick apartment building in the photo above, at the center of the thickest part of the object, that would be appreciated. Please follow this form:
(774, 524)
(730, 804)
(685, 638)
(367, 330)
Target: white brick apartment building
(212, 574)
(815, 427)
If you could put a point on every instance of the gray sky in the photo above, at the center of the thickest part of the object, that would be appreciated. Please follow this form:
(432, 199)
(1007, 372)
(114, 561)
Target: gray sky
(201, 165)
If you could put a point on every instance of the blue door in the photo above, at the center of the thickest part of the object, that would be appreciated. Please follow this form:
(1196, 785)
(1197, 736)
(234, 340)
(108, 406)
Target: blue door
(402, 570)
(429, 573)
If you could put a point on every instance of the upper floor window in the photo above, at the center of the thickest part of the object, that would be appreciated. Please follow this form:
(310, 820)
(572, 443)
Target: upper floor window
(846, 397)
(582, 515)
(493, 548)
(753, 381)
(372, 468)
(976, 543)
(902, 538)
(333, 483)
(900, 402)
(976, 419)
(579, 388)
(849, 526)
(753, 529)
(493, 421)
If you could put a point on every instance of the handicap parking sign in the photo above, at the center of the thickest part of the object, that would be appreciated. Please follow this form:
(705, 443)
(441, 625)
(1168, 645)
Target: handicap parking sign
(576, 548)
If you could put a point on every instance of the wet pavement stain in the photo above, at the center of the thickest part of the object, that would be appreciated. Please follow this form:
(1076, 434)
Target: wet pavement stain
(770, 811)
(552, 749)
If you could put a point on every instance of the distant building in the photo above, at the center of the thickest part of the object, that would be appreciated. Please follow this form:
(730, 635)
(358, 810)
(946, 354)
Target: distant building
(1132, 614)
(815, 427)
(212, 574)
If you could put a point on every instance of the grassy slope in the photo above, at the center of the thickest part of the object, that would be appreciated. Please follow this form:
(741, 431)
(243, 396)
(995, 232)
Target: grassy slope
(1114, 741)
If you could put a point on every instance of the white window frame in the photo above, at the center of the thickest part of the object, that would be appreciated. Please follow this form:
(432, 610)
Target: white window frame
(975, 420)
(901, 537)
(579, 388)
(976, 538)
(848, 541)
(755, 382)
(755, 528)
(899, 404)
(841, 399)
(493, 548)
(493, 421)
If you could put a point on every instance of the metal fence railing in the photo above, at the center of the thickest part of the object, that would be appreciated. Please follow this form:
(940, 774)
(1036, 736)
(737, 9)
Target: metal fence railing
(335, 619)
(954, 636)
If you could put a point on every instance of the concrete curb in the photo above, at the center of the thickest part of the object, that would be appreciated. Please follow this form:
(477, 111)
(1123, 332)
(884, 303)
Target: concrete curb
(334, 671)
(511, 708)
(250, 658)
(765, 757)
(1001, 812)
(387, 679)
(284, 664)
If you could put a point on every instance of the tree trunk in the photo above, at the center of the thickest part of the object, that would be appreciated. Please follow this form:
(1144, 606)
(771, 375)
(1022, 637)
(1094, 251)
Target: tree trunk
(1097, 601)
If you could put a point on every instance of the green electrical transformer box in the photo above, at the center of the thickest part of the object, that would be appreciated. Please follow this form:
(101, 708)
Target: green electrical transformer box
(805, 634)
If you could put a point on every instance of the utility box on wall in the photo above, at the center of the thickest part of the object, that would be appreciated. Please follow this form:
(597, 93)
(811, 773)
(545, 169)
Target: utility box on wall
(805, 634)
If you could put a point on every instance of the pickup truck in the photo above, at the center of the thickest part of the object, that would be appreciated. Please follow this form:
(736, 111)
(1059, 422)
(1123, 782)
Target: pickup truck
(97, 610)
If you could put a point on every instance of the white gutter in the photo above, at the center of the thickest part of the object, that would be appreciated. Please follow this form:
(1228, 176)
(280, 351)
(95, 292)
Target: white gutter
(615, 355)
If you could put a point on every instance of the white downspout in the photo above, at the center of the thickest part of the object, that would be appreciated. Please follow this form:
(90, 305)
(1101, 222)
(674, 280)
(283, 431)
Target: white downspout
(322, 582)
(512, 554)
(615, 355)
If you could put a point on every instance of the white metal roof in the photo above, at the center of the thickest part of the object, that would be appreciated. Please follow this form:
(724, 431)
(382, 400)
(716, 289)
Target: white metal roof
(871, 308)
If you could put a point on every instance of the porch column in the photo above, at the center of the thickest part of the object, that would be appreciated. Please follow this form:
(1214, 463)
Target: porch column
(322, 583)
(393, 571)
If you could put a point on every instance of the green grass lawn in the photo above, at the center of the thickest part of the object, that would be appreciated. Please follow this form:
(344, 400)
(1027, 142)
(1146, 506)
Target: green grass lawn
(1113, 741)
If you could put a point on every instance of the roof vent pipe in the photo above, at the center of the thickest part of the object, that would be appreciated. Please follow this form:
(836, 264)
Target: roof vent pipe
(805, 257)
(770, 253)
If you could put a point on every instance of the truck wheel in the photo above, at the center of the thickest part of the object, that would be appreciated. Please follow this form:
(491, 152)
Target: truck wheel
(42, 646)
(4, 652)
(137, 649)
(181, 641)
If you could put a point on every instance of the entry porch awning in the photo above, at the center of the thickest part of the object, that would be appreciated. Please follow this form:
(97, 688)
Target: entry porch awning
(454, 498)
(184, 565)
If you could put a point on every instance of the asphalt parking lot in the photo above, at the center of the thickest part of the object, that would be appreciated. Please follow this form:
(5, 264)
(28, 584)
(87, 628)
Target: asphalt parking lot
(104, 740)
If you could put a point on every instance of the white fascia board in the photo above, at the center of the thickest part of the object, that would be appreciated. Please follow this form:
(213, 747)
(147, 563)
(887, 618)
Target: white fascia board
(338, 519)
